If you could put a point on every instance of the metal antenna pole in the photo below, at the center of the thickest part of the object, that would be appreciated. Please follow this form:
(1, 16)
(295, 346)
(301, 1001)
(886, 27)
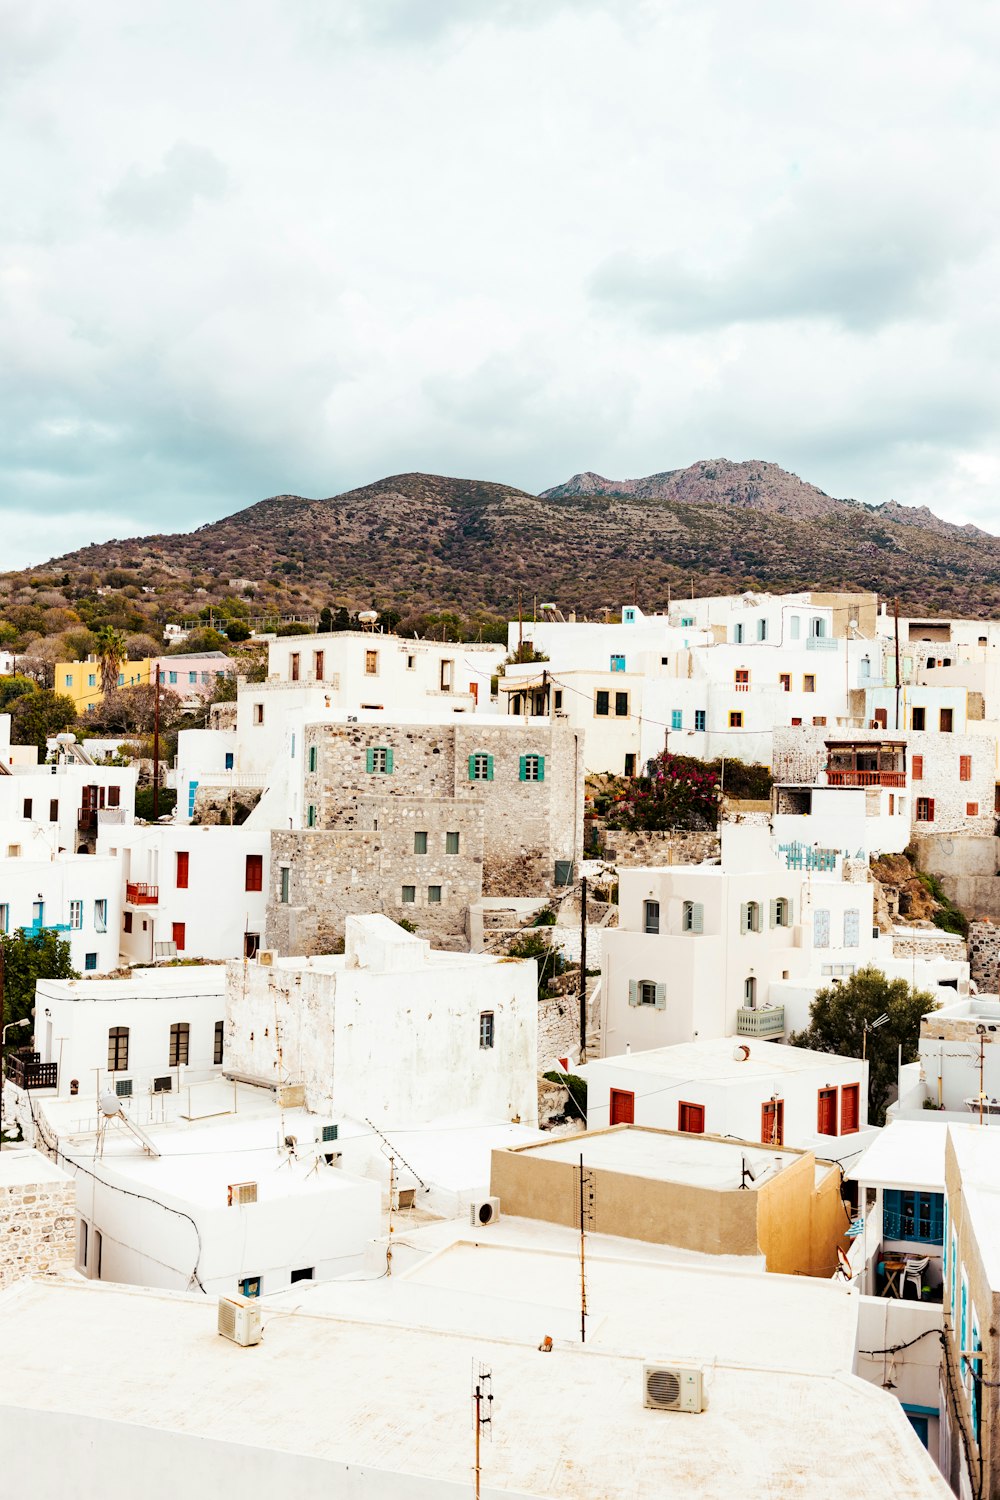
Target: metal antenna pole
(156, 744)
(896, 616)
(583, 1264)
(583, 970)
(482, 1395)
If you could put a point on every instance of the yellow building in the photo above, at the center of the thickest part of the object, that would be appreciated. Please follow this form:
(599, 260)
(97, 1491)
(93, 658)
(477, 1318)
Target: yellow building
(81, 680)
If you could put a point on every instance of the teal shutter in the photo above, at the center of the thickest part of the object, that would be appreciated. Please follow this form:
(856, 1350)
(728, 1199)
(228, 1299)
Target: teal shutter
(633, 992)
(697, 917)
(661, 997)
(472, 768)
(541, 768)
(312, 757)
(369, 760)
(388, 762)
(523, 773)
(489, 768)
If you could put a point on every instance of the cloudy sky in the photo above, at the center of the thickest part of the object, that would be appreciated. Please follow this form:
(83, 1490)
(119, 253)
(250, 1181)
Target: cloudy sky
(296, 245)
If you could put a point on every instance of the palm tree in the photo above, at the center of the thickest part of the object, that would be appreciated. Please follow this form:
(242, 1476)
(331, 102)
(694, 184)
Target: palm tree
(110, 654)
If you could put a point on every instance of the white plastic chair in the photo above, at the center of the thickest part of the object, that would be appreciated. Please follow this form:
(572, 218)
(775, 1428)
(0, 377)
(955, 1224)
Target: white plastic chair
(915, 1272)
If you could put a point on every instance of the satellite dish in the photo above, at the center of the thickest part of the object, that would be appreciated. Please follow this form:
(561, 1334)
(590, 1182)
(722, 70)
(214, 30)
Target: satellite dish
(110, 1103)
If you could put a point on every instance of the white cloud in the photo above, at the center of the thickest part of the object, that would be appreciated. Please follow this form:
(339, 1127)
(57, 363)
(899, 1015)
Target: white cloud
(310, 245)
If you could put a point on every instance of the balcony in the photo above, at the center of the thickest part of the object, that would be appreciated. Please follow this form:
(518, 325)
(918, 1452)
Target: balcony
(821, 643)
(866, 778)
(138, 893)
(28, 1071)
(767, 1021)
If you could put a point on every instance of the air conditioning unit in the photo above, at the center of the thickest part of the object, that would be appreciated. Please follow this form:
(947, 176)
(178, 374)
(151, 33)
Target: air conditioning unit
(162, 1085)
(242, 1192)
(486, 1212)
(123, 1088)
(673, 1388)
(323, 1133)
(405, 1197)
(239, 1320)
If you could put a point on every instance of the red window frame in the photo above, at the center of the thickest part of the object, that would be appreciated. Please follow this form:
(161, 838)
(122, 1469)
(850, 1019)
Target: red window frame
(254, 872)
(850, 1108)
(691, 1118)
(621, 1107)
(927, 815)
(183, 868)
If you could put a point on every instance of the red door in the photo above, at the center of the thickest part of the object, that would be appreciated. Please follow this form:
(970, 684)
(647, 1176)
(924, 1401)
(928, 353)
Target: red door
(178, 936)
(691, 1117)
(622, 1107)
(826, 1114)
(850, 1108)
(772, 1122)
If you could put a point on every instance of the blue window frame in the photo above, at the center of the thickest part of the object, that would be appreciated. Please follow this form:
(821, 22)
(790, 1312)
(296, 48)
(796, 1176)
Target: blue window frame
(617, 663)
(676, 718)
(687, 621)
(192, 789)
(90, 961)
(250, 1286)
(700, 718)
(230, 760)
(912, 1215)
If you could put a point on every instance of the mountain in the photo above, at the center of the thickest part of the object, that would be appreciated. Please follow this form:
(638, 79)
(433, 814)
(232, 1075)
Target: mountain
(421, 543)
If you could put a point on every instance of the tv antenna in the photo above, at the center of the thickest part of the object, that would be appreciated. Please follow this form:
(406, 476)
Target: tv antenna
(586, 1222)
(482, 1413)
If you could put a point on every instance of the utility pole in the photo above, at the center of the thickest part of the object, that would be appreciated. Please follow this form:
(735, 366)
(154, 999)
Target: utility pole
(896, 617)
(156, 745)
(583, 1264)
(583, 970)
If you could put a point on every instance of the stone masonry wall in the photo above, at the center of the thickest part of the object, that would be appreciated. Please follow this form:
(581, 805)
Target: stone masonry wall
(932, 943)
(527, 826)
(984, 956)
(37, 1228)
(648, 848)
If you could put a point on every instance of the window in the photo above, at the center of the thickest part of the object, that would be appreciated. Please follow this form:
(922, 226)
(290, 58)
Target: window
(371, 663)
(255, 872)
(785, 679)
(772, 1122)
(53, 811)
(178, 935)
(742, 680)
(826, 1112)
(452, 843)
(92, 679)
(917, 772)
(379, 760)
(750, 917)
(117, 1049)
(230, 760)
(411, 663)
(172, 677)
(852, 927)
(90, 962)
(127, 921)
(220, 1031)
(947, 720)
(912, 1215)
(925, 809)
(258, 713)
(311, 816)
(308, 1273)
(621, 705)
(819, 723)
(699, 718)
(817, 629)
(250, 1286)
(409, 895)
(796, 723)
(750, 992)
(447, 673)
(4, 917)
(850, 1108)
(738, 634)
(781, 912)
(795, 627)
(76, 914)
(735, 719)
(318, 665)
(918, 718)
(38, 913)
(821, 929)
(964, 768)
(251, 944)
(617, 663)
(313, 757)
(532, 768)
(420, 843)
(691, 1117)
(692, 917)
(285, 881)
(558, 699)
(647, 992)
(68, 680)
(621, 1107)
(433, 895)
(676, 718)
(687, 621)
(114, 796)
(651, 916)
(630, 763)
(193, 678)
(762, 630)
(972, 809)
(180, 1033)
(181, 872)
(486, 1029)
(26, 809)
(809, 683)
(602, 703)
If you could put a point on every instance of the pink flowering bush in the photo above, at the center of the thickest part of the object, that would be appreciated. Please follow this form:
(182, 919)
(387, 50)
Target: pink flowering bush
(677, 791)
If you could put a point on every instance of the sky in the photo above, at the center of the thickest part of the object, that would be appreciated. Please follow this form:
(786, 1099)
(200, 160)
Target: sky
(293, 246)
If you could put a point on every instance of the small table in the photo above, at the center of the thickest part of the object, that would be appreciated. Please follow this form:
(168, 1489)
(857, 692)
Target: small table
(893, 1271)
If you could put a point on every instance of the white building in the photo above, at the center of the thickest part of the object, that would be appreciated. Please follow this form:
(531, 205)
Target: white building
(67, 801)
(959, 1059)
(74, 894)
(190, 892)
(754, 1090)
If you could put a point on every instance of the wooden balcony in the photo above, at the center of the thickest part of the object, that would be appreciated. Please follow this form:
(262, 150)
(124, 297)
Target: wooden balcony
(29, 1072)
(138, 893)
(866, 778)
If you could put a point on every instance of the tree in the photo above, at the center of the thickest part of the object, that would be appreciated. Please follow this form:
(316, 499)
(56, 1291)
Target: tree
(36, 716)
(15, 687)
(677, 791)
(837, 1019)
(236, 630)
(27, 957)
(139, 647)
(548, 957)
(110, 654)
(131, 710)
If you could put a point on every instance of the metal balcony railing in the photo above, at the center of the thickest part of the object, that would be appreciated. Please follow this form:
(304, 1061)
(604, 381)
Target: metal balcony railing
(29, 1072)
(821, 643)
(768, 1021)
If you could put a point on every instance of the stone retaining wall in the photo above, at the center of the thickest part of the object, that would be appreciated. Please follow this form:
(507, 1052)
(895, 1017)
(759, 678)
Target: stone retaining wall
(984, 956)
(932, 943)
(677, 847)
(37, 1228)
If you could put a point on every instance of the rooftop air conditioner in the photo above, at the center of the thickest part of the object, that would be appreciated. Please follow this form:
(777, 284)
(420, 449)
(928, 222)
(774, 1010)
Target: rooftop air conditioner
(164, 1085)
(242, 1192)
(486, 1212)
(673, 1388)
(239, 1320)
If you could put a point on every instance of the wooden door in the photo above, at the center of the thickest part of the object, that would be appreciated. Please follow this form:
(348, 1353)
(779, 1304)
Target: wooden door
(622, 1107)
(691, 1117)
(772, 1122)
(826, 1114)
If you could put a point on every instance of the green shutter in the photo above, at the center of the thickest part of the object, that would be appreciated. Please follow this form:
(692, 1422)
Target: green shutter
(369, 760)
(697, 917)
(541, 768)
(489, 768)
(388, 762)
(789, 917)
(633, 992)
(774, 913)
(472, 768)
(312, 757)
(523, 772)
(661, 997)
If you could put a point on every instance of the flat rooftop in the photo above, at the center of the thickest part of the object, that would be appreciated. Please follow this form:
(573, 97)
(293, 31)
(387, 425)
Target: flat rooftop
(566, 1424)
(977, 1151)
(714, 1061)
(19, 1167)
(704, 1161)
(186, 980)
(907, 1154)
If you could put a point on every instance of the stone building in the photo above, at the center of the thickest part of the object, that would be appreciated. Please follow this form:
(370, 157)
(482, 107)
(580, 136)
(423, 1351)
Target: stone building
(37, 1216)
